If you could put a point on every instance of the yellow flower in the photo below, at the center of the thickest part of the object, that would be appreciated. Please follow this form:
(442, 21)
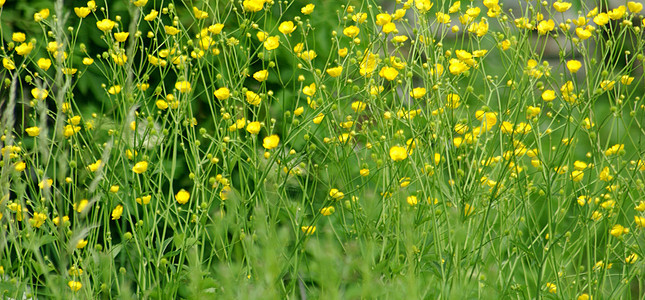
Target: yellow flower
(115, 89)
(20, 166)
(171, 30)
(261, 75)
(8, 64)
(417, 93)
(182, 196)
(140, 3)
(18, 37)
(38, 219)
(253, 98)
(326, 211)
(318, 119)
(44, 63)
(574, 65)
(199, 14)
(358, 106)
(114, 188)
(117, 212)
(272, 42)
(548, 95)
(617, 13)
(364, 172)
(640, 221)
(634, 7)
(88, 61)
(254, 127)
(271, 142)
(222, 93)
(81, 244)
(307, 9)
(335, 72)
(253, 5)
(121, 36)
(183, 86)
(423, 5)
(74, 285)
(388, 73)
(351, 31)
(552, 288)
(601, 19)
(33, 131)
(412, 200)
(308, 230)
(453, 101)
(143, 200)
(618, 230)
(632, 258)
(286, 27)
(82, 12)
(457, 66)
(140, 167)
(95, 166)
(105, 25)
(398, 153)
(39, 94)
(308, 55)
(41, 15)
(151, 16)
(561, 6)
(545, 27)
(626, 79)
(216, 28)
(24, 48)
(57, 220)
(309, 90)
(577, 176)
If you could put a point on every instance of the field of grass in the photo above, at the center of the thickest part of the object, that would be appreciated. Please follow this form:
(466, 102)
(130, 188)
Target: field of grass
(322, 149)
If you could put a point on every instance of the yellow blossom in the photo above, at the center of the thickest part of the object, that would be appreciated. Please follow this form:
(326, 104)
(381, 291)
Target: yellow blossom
(254, 127)
(261, 75)
(117, 212)
(307, 9)
(388, 73)
(253, 5)
(183, 86)
(351, 31)
(151, 15)
(222, 93)
(95, 166)
(326, 211)
(561, 6)
(74, 285)
(573, 65)
(286, 27)
(618, 230)
(140, 167)
(182, 196)
(308, 230)
(271, 142)
(105, 25)
(398, 153)
(253, 98)
(335, 72)
(272, 42)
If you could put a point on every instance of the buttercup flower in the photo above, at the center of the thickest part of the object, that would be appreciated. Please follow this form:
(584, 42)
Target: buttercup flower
(398, 153)
(105, 25)
(182, 196)
(140, 167)
(271, 142)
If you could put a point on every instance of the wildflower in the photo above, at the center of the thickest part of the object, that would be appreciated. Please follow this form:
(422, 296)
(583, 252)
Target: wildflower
(601, 19)
(640, 207)
(626, 79)
(618, 230)
(105, 25)
(81, 244)
(545, 27)
(351, 31)
(183, 86)
(286, 27)
(254, 127)
(398, 153)
(632, 258)
(222, 93)
(182, 196)
(326, 211)
(121, 36)
(33, 131)
(8, 64)
(57, 220)
(20, 166)
(364, 172)
(573, 65)
(261, 75)
(550, 287)
(74, 285)
(308, 230)
(617, 13)
(615, 149)
(117, 212)
(308, 55)
(388, 73)
(115, 89)
(88, 61)
(143, 200)
(139, 3)
(114, 188)
(309, 90)
(318, 119)
(577, 176)
(44, 63)
(457, 67)
(335, 72)
(41, 15)
(271, 141)
(417, 93)
(253, 98)
(24, 48)
(423, 5)
(272, 42)
(140, 167)
(488, 119)
(412, 200)
(640, 221)
(561, 6)
(634, 7)
(307, 9)
(583, 34)
(38, 219)
(253, 5)
(171, 30)
(453, 101)
(151, 15)
(199, 14)
(95, 166)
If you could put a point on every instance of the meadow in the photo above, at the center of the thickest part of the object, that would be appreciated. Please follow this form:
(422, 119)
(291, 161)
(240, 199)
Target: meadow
(322, 149)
